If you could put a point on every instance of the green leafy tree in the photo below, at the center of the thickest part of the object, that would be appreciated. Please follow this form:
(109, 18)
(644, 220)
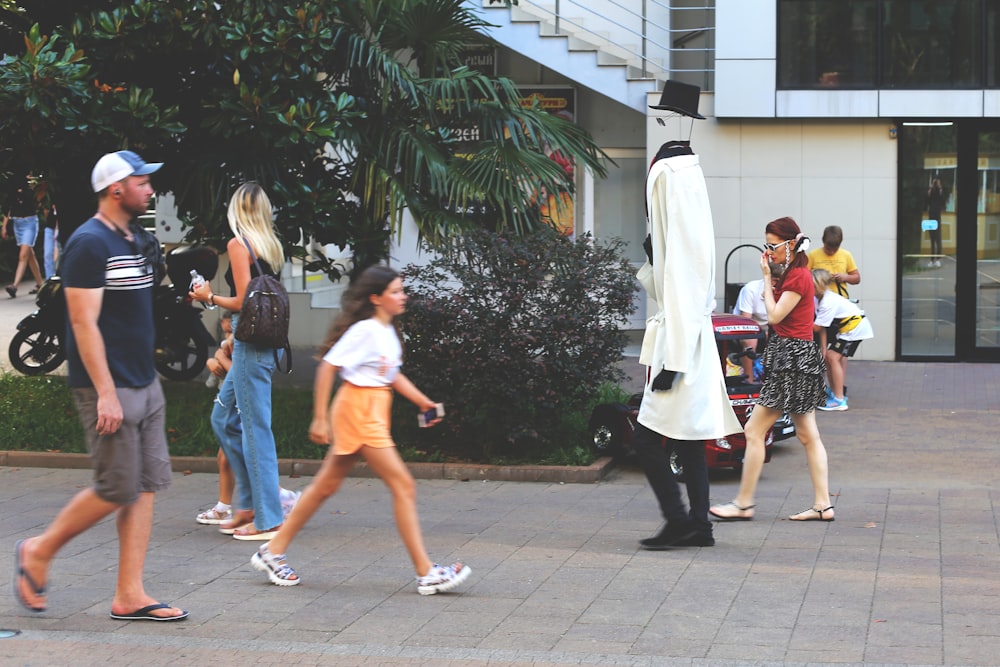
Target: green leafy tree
(348, 113)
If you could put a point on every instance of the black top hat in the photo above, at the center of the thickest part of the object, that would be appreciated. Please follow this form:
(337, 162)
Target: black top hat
(680, 97)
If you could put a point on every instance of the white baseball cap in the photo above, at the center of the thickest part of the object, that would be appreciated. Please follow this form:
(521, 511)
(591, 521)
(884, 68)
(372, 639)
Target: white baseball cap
(115, 167)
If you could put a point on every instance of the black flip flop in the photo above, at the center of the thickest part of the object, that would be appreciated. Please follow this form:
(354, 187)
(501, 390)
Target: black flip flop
(21, 573)
(145, 615)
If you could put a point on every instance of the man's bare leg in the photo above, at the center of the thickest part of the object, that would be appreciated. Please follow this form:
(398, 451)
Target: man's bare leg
(78, 515)
(135, 524)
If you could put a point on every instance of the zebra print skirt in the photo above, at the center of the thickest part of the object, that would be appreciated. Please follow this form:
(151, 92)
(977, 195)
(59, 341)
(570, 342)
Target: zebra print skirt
(795, 375)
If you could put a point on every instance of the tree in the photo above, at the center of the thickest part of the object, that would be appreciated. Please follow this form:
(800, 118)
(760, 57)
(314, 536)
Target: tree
(347, 112)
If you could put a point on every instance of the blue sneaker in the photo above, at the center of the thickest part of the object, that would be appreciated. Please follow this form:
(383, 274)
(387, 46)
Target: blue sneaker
(834, 405)
(829, 394)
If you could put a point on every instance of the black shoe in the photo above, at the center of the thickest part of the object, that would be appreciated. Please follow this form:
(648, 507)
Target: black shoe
(696, 540)
(668, 537)
(12, 291)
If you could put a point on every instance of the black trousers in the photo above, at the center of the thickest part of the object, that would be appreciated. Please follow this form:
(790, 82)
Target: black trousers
(935, 240)
(654, 452)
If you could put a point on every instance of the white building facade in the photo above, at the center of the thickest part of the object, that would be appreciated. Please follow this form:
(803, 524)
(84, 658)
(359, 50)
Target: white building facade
(833, 112)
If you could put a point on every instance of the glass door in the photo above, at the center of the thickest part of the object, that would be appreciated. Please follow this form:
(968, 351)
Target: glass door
(928, 240)
(949, 241)
(987, 262)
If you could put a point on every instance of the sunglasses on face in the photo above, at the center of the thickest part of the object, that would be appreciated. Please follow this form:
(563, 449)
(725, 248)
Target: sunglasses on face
(773, 247)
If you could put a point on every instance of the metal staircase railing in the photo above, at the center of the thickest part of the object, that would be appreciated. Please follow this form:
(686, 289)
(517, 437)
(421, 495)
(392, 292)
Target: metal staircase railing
(661, 39)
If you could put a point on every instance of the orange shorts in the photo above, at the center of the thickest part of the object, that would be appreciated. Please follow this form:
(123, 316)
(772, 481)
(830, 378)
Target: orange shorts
(361, 416)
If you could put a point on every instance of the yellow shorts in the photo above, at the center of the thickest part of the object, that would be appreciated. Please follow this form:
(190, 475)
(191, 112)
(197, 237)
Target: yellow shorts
(361, 416)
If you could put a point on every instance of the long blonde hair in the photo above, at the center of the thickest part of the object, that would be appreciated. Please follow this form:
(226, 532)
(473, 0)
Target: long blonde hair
(250, 217)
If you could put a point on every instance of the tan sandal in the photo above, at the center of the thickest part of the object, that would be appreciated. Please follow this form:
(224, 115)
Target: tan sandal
(251, 532)
(732, 512)
(239, 520)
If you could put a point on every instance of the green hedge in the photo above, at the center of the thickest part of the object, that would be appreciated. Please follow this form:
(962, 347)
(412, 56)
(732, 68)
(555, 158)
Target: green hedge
(39, 415)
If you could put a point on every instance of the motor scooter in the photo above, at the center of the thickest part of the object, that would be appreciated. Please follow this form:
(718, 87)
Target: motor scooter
(182, 341)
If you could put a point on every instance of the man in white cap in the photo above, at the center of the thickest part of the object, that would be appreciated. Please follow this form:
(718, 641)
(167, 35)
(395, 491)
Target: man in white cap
(109, 298)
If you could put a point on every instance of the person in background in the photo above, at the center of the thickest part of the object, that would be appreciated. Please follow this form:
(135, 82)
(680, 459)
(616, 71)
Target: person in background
(52, 247)
(218, 366)
(364, 347)
(836, 260)
(848, 321)
(109, 349)
(795, 369)
(750, 303)
(936, 200)
(22, 216)
(241, 416)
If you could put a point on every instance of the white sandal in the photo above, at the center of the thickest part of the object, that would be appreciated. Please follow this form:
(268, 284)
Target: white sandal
(214, 517)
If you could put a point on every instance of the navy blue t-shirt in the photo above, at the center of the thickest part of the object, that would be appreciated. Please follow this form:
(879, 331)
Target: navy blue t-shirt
(96, 257)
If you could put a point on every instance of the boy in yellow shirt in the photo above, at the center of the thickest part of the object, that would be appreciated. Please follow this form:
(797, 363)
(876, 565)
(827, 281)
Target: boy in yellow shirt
(836, 260)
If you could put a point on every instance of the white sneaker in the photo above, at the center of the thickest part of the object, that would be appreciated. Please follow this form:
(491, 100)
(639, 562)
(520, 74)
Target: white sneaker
(937, 262)
(442, 578)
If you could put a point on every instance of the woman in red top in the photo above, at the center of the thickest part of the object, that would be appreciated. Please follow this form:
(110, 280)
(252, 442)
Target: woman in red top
(794, 374)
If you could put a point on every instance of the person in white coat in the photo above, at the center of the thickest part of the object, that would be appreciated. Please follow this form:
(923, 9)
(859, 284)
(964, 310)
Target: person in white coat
(685, 400)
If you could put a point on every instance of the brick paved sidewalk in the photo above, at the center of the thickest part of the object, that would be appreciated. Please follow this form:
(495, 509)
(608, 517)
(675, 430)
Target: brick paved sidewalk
(907, 575)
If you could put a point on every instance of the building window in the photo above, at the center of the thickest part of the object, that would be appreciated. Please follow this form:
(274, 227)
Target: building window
(891, 44)
(992, 40)
(932, 44)
(826, 44)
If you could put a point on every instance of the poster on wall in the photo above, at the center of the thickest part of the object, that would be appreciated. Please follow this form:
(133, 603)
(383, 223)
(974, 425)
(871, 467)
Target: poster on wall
(480, 58)
(557, 209)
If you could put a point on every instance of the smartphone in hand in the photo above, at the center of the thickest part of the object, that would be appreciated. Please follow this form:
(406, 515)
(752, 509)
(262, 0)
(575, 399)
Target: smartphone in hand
(425, 418)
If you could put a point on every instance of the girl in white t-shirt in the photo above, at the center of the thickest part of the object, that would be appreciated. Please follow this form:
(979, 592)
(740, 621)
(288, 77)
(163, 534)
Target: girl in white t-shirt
(835, 313)
(364, 346)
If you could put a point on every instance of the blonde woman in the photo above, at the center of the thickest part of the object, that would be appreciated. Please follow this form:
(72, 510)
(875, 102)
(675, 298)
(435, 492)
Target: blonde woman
(241, 416)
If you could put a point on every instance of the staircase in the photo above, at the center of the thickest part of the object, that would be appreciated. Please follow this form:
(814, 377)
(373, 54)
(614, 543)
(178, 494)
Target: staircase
(607, 46)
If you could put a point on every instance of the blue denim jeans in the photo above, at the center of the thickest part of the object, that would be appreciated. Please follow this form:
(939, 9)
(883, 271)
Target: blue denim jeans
(241, 419)
(51, 243)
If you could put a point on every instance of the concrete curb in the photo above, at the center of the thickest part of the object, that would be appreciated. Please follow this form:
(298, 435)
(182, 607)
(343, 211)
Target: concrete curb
(308, 467)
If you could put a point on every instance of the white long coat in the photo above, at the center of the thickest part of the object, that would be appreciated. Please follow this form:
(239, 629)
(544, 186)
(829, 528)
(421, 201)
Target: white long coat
(679, 336)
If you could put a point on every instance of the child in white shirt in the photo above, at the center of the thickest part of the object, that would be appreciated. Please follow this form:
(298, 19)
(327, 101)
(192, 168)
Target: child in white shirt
(851, 326)
(364, 347)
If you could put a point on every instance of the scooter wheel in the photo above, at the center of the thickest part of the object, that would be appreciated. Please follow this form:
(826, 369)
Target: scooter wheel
(34, 351)
(181, 359)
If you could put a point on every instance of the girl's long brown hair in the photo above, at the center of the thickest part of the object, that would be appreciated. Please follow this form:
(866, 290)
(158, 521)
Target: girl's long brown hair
(787, 229)
(356, 305)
